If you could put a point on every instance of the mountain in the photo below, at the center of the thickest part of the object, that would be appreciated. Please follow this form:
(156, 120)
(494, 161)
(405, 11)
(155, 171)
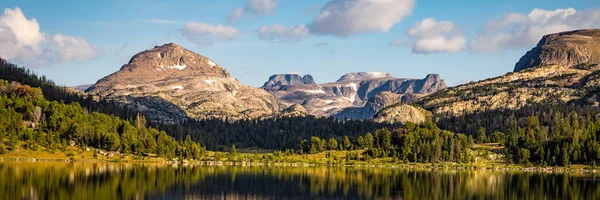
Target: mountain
(350, 95)
(283, 81)
(567, 49)
(562, 68)
(357, 76)
(171, 83)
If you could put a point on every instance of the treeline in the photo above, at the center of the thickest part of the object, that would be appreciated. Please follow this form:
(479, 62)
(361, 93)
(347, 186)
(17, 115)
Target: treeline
(26, 116)
(53, 92)
(415, 143)
(269, 134)
(540, 134)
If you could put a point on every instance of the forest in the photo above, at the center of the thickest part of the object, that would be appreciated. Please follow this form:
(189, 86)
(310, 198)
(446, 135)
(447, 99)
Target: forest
(26, 116)
(424, 143)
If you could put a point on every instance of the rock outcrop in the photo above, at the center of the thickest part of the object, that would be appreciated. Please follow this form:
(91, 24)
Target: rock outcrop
(196, 85)
(283, 81)
(402, 113)
(566, 49)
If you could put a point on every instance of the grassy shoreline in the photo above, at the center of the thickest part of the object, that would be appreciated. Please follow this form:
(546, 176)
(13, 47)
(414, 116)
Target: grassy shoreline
(328, 158)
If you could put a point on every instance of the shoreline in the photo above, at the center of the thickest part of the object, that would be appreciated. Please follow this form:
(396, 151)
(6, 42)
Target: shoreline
(420, 166)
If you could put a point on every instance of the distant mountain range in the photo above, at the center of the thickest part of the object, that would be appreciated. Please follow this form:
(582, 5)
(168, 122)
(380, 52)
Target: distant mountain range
(171, 83)
(354, 96)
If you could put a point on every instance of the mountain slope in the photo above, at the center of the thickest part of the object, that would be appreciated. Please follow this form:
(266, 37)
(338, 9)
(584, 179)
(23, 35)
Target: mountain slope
(170, 83)
(563, 68)
(565, 49)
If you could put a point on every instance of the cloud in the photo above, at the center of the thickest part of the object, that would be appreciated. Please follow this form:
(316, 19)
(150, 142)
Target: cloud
(160, 21)
(350, 17)
(67, 48)
(205, 34)
(281, 33)
(236, 16)
(517, 30)
(261, 7)
(252, 8)
(23, 42)
(433, 36)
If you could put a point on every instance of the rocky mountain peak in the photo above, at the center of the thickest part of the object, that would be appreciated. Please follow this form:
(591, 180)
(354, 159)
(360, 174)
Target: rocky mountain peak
(566, 49)
(278, 81)
(172, 59)
(358, 76)
(171, 78)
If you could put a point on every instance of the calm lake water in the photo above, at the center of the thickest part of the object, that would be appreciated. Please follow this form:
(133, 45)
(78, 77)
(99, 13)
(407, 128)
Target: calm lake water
(159, 181)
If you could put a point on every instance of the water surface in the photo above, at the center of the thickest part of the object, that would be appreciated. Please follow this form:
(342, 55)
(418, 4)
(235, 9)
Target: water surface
(160, 181)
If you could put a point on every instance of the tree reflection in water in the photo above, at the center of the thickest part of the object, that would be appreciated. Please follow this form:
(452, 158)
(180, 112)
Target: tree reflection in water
(159, 181)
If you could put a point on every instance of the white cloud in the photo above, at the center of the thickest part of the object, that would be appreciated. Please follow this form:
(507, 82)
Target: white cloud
(204, 34)
(261, 7)
(253, 8)
(517, 30)
(236, 16)
(439, 44)
(350, 17)
(433, 36)
(68, 48)
(23, 42)
(281, 33)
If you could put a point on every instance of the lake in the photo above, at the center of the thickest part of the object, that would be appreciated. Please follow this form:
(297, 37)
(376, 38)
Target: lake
(26, 180)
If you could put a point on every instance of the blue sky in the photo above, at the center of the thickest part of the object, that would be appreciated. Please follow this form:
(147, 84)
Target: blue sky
(113, 31)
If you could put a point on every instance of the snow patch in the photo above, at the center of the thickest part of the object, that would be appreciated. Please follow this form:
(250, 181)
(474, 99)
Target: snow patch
(353, 86)
(377, 74)
(327, 108)
(127, 93)
(179, 87)
(209, 81)
(159, 56)
(352, 98)
(211, 63)
(179, 67)
(313, 91)
(328, 101)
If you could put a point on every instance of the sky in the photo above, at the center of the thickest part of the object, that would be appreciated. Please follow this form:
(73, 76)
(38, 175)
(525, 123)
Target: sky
(79, 42)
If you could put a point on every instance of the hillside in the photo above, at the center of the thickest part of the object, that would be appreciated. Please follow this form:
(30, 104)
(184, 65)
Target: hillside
(549, 78)
(40, 124)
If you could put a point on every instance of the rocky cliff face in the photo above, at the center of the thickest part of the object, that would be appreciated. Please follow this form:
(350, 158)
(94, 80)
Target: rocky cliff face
(562, 68)
(402, 113)
(349, 96)
(283, 81)
(168, 77)
(566, 49)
